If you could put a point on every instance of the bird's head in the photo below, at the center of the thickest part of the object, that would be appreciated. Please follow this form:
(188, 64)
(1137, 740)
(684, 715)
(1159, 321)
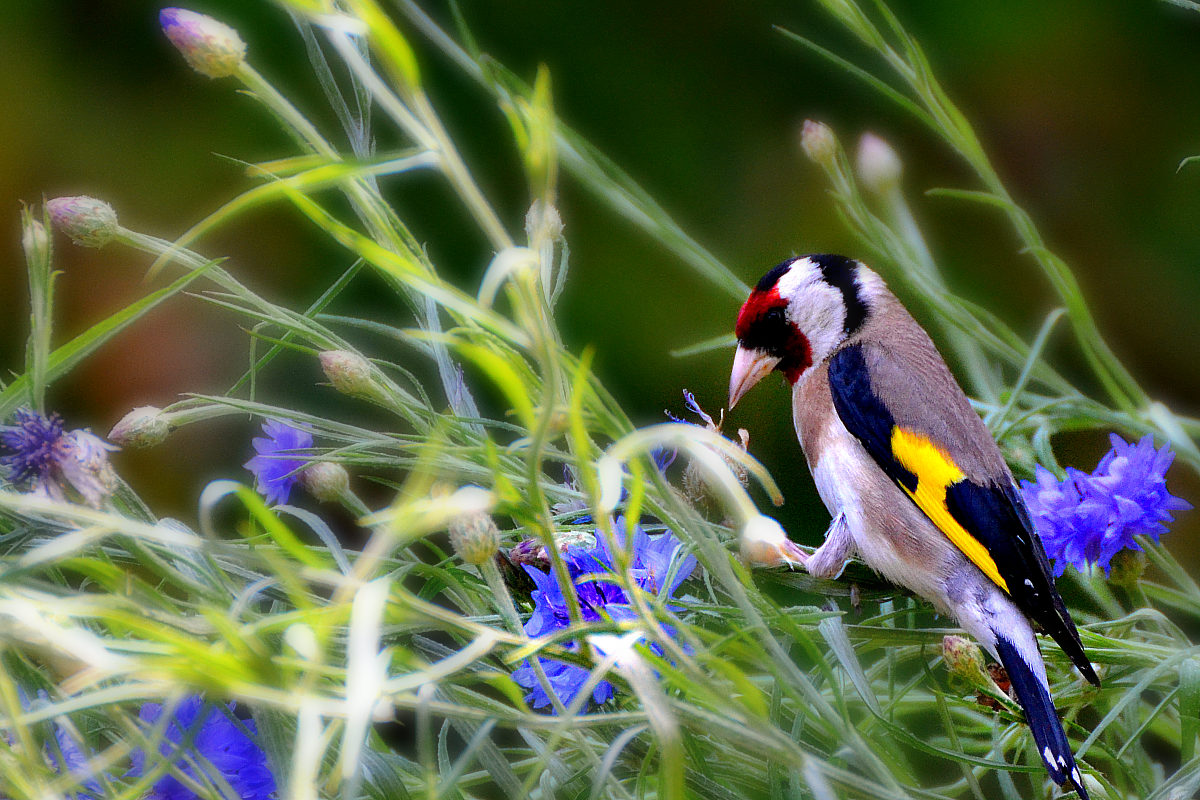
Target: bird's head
(796, 316)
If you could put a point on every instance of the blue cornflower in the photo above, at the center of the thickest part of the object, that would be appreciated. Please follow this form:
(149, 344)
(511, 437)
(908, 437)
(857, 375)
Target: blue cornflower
(34, 443)
(49, 460)
(65, 753)
(600, 598)
(276, 467)
(1087, 519)
(208, 746)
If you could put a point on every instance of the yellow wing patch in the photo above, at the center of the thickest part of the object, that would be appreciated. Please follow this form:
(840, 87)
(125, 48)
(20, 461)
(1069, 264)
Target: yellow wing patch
(936, 472)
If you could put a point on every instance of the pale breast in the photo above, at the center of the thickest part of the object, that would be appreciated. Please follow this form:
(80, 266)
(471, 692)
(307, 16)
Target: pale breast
(891, 535)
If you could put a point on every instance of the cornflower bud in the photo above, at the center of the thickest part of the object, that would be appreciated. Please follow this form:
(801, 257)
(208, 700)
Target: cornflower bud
(145, 426)
(878, 165)
(210, 47)
(964, 659)
(34, 241)
(325, 480)
(475, 538)
(818, 142)
(88, 221)
(349, 372)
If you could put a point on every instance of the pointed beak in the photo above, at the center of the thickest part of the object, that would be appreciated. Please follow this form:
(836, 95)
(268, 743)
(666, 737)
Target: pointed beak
(749, 367)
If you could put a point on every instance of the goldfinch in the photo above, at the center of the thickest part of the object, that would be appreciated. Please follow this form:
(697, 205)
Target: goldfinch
(914, 481)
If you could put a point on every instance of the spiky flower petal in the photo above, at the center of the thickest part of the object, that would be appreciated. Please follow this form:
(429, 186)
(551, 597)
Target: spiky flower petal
(47, 460)
(33, 446)
(210, 745)
(277, 465)
(1088, 519)
(600, 598)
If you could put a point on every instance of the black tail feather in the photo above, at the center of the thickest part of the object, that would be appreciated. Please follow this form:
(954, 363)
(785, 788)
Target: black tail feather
(1048, 733)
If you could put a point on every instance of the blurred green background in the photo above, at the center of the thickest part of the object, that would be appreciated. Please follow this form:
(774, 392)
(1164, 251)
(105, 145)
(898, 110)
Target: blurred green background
(1087, 109)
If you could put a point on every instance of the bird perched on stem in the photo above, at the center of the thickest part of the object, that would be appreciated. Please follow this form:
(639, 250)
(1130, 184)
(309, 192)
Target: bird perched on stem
(916, 485)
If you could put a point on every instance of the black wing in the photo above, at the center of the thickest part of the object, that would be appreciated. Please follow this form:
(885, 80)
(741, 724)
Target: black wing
(987, 520)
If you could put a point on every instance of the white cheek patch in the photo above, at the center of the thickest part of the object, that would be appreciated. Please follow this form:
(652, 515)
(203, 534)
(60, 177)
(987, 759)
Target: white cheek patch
(802, 273)
(815, 307)
(870, 285)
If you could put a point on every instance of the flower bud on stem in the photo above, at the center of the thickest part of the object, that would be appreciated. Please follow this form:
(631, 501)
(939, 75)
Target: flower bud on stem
(325, 480)
(145, 426)
(818, 142)
(878, 166)
(88, 221)
(349, 373)
(210, 47)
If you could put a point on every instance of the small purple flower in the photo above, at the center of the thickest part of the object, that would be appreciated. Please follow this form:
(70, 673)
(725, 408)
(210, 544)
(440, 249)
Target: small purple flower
(204, 742)
(600, 598)
(64, 754)
(48, 460)
(1087, 519)
(211, 746)
(276, 467)
(34, 442)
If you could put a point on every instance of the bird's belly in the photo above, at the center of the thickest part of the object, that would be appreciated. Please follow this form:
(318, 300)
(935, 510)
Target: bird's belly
(891, 535)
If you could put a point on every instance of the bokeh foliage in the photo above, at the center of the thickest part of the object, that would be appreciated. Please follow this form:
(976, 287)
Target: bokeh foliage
(780, 692)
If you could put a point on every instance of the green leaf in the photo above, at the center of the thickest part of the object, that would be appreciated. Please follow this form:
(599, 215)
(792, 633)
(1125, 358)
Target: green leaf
(721, 342)
(1189, 707)
(834, 632)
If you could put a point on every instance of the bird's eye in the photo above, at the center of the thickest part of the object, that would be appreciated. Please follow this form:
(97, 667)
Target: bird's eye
(774, 316)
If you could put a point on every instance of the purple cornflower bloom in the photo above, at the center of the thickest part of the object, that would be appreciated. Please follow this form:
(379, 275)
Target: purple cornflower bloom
(203, 742)
(1087, 519)
(73, 761)
(208, 746)
(49, 460)
(34, 444)
(600, 598)
(277, 465)
(64, 754)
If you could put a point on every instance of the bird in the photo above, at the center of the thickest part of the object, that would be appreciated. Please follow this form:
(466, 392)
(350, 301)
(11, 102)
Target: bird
(915, 484)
